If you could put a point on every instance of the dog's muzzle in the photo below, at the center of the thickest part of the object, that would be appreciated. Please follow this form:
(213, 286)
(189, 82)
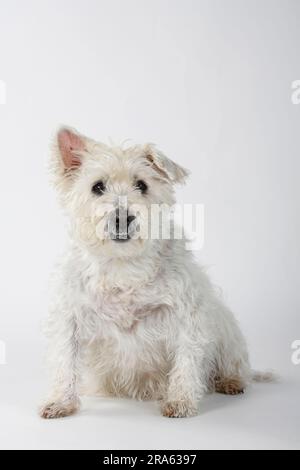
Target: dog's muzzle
(120, 226)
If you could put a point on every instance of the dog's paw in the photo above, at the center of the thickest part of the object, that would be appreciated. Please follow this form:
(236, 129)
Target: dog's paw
(178, 409)
(230, 386)
(59, 409)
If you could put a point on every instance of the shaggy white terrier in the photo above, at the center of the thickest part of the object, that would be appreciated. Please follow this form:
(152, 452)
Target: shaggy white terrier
(133, 316)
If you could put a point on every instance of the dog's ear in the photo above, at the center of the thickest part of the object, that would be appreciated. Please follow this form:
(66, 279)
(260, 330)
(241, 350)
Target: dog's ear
(164, 166)
(70, 144)
(68, 151)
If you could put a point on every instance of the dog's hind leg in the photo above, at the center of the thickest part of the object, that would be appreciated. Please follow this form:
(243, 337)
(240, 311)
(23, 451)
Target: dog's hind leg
(233, 385)
(233, 372)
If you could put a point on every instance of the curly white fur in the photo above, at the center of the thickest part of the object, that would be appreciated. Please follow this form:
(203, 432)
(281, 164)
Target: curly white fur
(138, 319)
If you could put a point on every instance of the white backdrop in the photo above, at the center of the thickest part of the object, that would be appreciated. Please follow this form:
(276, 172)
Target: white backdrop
(210, 82)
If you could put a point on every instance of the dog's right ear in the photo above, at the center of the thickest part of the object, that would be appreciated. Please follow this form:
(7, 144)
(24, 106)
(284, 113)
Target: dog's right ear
(69, 150)
(70, 145)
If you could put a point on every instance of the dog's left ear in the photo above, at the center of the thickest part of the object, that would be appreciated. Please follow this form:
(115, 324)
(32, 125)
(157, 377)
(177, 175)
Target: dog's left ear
(164, 166)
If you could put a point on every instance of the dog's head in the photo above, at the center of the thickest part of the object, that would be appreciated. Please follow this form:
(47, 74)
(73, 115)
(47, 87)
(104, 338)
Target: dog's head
(112, 193)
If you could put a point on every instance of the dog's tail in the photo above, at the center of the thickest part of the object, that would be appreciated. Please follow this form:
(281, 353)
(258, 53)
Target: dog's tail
(264, 377)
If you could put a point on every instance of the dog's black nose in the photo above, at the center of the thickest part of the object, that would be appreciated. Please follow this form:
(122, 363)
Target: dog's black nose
(130, 218)
(123, 221)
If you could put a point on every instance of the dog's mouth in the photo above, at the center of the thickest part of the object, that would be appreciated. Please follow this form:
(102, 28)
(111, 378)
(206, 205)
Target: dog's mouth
(121, 238)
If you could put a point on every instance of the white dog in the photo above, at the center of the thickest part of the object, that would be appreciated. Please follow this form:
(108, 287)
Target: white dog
(133, 316)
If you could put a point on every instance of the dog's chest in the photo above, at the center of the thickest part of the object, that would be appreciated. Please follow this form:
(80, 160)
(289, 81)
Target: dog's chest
(109, 311)
(121, 308)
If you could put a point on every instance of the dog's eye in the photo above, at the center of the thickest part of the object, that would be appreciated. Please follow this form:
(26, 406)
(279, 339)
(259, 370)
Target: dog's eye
(142, 186)
(98, 188)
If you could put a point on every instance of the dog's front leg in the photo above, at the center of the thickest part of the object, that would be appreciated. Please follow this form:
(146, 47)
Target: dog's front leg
(186, 384)
(63, 399)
